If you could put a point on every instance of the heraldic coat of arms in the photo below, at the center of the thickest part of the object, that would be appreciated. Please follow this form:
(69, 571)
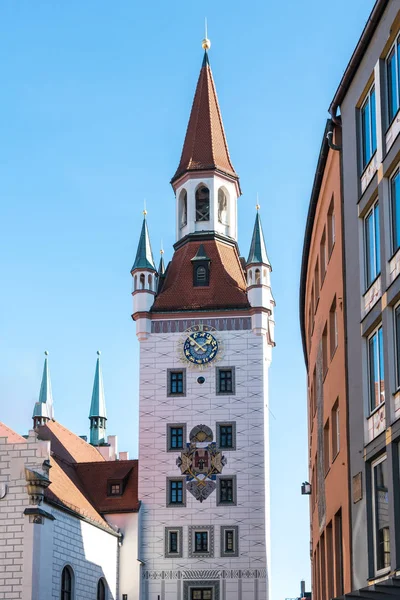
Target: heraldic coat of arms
(201, 462)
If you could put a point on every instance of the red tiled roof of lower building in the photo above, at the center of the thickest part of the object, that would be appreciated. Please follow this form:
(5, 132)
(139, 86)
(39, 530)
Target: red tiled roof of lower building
(66, 490)
(12, 436)
(68, 446)
(227, 287)
(97, 478)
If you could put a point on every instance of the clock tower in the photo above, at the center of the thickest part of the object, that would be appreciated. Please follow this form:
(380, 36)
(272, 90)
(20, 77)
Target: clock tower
(206, 330)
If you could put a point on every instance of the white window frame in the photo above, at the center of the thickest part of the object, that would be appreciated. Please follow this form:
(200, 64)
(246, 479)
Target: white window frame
(396, 171)
(394, 46)
(373, 465)
(372, 334)
(375, 249)
(367, 100)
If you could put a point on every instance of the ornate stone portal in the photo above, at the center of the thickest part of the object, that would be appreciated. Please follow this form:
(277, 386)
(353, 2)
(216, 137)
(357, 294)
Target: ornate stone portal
(201, 462)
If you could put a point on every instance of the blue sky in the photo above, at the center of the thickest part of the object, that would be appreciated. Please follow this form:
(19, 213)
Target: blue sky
(94, 106)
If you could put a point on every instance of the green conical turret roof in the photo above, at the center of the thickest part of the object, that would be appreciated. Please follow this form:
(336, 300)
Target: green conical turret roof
(144, 255)
(98, 405)
(258, 251)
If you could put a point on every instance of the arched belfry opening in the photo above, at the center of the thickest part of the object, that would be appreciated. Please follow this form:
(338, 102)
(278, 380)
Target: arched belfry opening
(202, 203)
(183, 208)
(222, 206)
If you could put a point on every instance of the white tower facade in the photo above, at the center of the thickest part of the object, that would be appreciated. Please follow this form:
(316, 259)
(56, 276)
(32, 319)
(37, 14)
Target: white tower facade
(205, 352)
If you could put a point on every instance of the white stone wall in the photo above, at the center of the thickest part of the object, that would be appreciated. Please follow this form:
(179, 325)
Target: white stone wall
(250, 355)
(91, 552)
(16, 532)
(129, 565)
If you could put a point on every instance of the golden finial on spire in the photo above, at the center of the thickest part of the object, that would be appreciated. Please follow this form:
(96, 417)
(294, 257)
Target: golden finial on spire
(144, 208)
(161, 249)
(258, 204)
(206, 44)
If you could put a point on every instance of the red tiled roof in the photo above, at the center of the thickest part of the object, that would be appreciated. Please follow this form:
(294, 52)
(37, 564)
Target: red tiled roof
(95, 478)
(68, 446)
(67, 490)
(205, 145)
(12, 436)
(227, 286)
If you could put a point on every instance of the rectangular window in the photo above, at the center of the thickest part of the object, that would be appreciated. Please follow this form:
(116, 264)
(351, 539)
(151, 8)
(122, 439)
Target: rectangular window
(176, 382)
(395, 207)
(376, 370)
(176, 492)
(397, 334)
(372, 245)
(325, 350)
(331, 227)
(176, 434)
(229, 540)
(335, 429)
(327, 454)
(333, 332)
(380, 502)
(225, 436)
(201, 541)
(322, 256)
(314, 385)
(173, 542)
(316, 284)
(225, 380)
(368, 128)
(338, 553)
(329, 559)
(393, 77)
(226, 490)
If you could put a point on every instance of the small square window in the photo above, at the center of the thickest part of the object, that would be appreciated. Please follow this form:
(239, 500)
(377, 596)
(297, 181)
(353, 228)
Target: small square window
(114, 488)
(173, 542)
(176, 436)
(176, 382)
(226, 436)
(175, 492)
(226, 490)
(201, 541)
(225, 377)
(229, 540)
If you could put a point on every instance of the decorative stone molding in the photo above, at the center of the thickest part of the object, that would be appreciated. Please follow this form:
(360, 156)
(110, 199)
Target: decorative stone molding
(193, 529)
(36, 484)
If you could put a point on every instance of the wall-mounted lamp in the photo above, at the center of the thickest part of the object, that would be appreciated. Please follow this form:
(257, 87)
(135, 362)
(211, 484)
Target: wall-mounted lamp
(306, 488)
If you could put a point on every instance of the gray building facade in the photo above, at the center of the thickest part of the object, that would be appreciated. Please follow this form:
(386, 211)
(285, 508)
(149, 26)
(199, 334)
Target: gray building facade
(368, 100)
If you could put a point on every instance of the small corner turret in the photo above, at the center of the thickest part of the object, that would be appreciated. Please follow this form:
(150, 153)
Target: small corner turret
(144, 279)
(97, 415)
(43, 410)
(258, 270)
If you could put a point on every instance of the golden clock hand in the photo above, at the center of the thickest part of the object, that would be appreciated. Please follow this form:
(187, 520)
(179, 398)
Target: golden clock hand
(196, 343)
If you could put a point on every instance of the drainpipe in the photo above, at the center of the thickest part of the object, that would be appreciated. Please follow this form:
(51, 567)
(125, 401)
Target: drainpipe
(329, 137)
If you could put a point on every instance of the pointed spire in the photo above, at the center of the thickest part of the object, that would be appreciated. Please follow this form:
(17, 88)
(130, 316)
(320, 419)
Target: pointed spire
(205, 147)
(144, 255)
(161, 266)
(258, 251)
(97, 413)
(43, 410)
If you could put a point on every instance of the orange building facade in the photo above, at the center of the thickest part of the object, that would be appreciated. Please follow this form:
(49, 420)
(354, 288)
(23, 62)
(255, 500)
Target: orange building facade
(323, 335)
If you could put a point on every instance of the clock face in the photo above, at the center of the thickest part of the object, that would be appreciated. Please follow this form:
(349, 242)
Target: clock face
(200, 347)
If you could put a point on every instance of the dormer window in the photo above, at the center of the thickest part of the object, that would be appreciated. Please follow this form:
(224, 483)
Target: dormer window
(114, 488)
(201, 268)
(202, 204)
